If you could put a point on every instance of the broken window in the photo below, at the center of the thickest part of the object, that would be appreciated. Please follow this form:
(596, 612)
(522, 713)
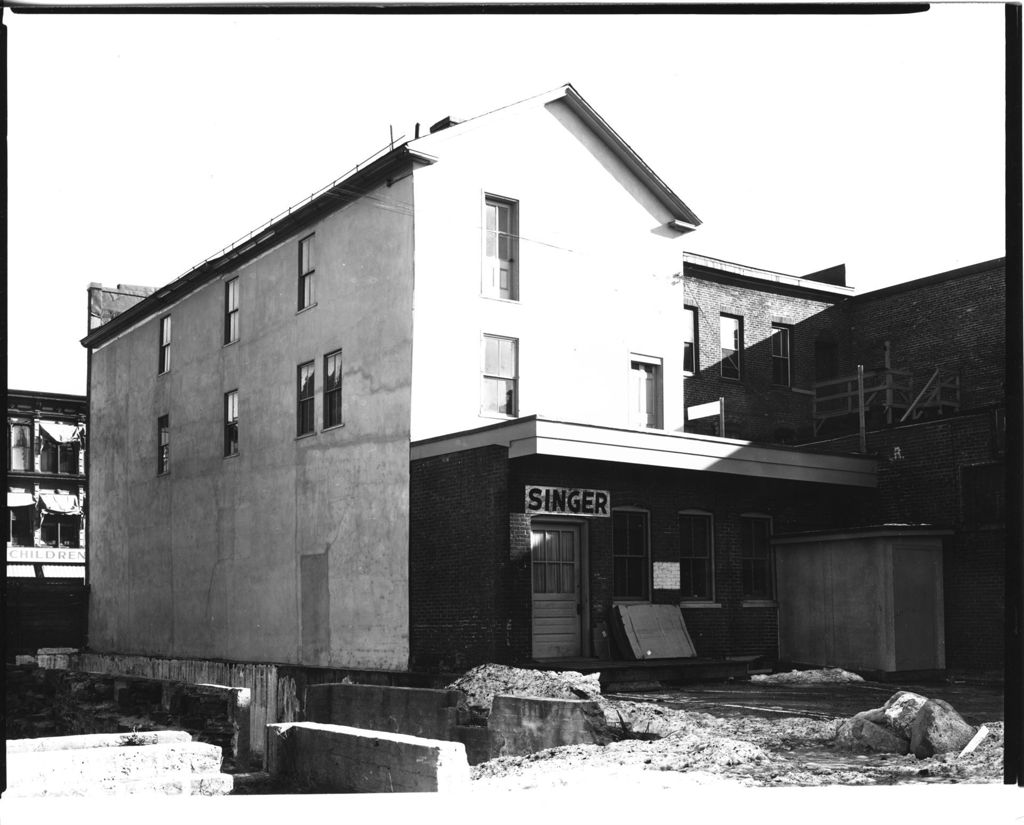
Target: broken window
(630, 555)
(731, 339)
(332, 389)
(20, 443)
(304, 406)
(231, 423)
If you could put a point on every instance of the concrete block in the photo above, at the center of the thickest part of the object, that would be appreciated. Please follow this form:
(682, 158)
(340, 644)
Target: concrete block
(98, 765)
(521, 725)
(336, 758)
(432, 714)
(97, 740)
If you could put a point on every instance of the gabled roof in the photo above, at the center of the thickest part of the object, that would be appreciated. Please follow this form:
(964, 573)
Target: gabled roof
(349, 188)
(685, 219)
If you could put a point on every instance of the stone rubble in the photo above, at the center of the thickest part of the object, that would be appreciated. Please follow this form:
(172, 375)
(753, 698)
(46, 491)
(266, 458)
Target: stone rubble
(907, 723)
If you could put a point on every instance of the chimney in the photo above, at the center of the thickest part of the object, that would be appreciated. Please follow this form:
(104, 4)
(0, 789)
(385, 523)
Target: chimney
(444, 123)
(834, 275)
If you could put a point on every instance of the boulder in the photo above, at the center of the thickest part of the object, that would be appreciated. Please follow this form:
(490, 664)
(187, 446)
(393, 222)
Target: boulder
(862, 735)
(875, 715)
(901, 709)
(938, 728)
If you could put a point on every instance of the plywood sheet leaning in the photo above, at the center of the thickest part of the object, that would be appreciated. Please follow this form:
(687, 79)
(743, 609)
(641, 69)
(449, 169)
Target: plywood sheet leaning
(654, 631)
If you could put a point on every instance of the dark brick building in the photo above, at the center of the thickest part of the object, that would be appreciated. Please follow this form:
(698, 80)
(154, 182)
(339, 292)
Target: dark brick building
(504, 516)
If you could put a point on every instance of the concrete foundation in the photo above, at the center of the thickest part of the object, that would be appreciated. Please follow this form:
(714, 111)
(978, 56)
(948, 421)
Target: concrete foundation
(339, 759)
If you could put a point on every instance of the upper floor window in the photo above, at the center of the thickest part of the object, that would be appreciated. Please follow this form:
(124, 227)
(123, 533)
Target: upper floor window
(630, 555)
(690, 350)
(780, 355)
(21, 459)
(756, 559)
(731, 335)
(696, 559)
(332, 389)
(304, 404)
(501, 249)
(60, 530)
(231, 311)
(20, 525)
(307, 294)
(59, 448)
(231, 423)
(165, 343)
(645, 391)
(163, 444)
(500, 376)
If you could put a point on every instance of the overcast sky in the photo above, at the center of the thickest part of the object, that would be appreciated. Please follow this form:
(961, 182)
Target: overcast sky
(141, 144)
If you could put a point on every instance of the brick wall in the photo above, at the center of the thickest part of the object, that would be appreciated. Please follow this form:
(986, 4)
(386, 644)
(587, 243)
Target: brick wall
(732, 628)
(458, 557)
(953, 320)
(756, 409)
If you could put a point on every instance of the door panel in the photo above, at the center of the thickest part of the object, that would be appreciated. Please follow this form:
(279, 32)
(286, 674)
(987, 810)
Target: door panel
(555, 552)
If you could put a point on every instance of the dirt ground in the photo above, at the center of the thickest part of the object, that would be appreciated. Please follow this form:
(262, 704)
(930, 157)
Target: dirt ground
(772, 734)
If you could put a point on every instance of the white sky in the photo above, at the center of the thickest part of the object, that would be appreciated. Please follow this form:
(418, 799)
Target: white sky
(139, 145)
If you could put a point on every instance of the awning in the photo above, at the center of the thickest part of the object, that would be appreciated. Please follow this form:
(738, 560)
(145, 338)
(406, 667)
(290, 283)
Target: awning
(61, 433)
(20, 500)
(60, 503)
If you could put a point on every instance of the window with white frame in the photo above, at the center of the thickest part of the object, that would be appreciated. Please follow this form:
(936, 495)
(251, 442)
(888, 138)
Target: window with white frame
(231, 423)
(645, 391)
(501, 249)
(165, 344)
(781, 342)
(691, 356)
(307, 269)
(757, 567)
(500, 391)
(731, 339)
(231, 311)
(631, 566)
(696, 556)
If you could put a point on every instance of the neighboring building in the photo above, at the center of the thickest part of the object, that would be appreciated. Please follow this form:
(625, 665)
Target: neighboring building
(44, 594)
(46, 485)
(454, 408)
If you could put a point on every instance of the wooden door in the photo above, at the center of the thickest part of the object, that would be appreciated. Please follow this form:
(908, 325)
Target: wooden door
(557, 607)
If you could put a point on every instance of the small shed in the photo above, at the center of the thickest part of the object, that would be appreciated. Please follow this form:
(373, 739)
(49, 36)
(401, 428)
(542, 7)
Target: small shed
(867, 598)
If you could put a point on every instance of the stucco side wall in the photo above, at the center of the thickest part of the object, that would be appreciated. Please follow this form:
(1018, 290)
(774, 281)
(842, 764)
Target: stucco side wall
(295, 550)
(596, 262)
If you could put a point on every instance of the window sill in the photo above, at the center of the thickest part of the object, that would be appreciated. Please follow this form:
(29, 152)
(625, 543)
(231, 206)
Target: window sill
(760, 603)
(165, 372)
(230, 343)
(630, 601)
(697, 604)
(232, 455)
(306, 308)
(729, 380)
(305, 435)
(498, 416)
(164, 474)
(500, 300)
(333, 427)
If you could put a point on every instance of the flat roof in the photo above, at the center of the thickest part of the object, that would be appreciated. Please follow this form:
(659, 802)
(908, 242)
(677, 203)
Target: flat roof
(683, 451)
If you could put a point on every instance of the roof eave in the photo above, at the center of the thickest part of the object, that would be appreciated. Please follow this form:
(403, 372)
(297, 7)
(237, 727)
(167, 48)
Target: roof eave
(338, 195)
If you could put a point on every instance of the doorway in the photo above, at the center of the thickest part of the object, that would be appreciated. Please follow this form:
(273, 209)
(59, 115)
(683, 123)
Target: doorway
(558, 604)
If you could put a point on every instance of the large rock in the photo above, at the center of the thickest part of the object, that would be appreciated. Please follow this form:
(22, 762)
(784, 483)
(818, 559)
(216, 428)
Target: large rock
(862, 735)
(901, 709)
(938, 728)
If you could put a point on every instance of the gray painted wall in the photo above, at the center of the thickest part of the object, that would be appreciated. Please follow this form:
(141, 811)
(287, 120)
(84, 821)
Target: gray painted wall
(296, 549)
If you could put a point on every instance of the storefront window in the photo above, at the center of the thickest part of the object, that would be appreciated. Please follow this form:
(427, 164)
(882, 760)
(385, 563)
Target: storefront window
(59, 531)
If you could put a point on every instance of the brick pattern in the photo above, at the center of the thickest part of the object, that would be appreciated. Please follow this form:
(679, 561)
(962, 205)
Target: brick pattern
(755, 408)
(458, 559)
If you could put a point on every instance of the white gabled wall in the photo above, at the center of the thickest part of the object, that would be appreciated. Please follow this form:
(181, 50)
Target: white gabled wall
(596, 262)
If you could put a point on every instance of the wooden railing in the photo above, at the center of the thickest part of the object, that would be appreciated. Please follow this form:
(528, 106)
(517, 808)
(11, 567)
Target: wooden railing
(889, 390)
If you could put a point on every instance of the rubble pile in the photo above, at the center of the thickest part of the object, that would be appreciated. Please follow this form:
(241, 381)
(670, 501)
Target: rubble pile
(907, 723)
(807, 677)
(483, 683)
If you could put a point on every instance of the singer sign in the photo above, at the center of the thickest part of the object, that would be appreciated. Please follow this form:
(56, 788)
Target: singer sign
(568, 501)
